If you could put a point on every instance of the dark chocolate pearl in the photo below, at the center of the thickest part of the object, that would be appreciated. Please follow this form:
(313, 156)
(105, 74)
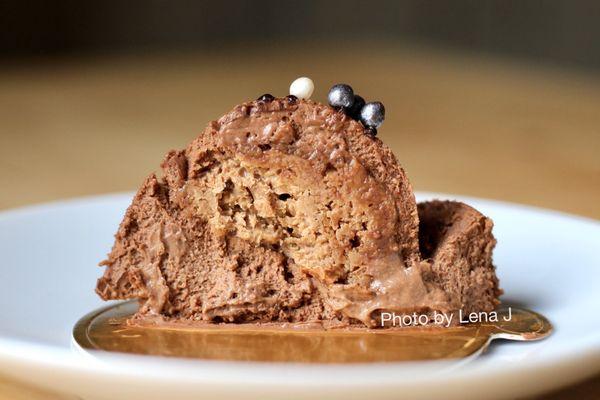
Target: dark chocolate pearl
(372, 114)
(354, 111)
(371, 131)
(266, 98)
(291, 98)
(341, 95)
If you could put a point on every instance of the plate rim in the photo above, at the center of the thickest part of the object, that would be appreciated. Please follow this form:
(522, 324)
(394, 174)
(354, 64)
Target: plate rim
(35, 355)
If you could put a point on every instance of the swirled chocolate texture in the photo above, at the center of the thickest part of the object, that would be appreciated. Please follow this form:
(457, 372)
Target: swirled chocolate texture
(288, 211)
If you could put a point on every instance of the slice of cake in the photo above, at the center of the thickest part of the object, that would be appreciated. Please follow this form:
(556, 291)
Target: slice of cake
(288, 210)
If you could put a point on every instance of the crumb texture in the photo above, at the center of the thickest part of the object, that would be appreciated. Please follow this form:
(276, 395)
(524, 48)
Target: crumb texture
(287, 211)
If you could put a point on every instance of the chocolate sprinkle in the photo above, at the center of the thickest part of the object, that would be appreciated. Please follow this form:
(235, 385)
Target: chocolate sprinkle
(291, 99)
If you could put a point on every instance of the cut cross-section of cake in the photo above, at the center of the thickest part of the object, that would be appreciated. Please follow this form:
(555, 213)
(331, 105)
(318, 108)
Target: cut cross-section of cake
(287, 210)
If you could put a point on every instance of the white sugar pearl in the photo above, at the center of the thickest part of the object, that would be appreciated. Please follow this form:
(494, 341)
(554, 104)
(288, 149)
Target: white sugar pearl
(302, 88)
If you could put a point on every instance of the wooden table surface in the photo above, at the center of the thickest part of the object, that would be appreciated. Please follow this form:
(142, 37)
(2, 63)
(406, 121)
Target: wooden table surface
(458, 123)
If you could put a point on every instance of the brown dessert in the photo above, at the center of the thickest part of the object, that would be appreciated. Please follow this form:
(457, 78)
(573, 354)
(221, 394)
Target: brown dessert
(287, 210)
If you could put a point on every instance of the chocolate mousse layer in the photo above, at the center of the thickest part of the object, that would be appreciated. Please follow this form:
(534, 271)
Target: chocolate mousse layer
(457, 241)
(286, 210)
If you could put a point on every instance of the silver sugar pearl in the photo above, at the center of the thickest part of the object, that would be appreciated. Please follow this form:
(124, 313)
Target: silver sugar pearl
(354, 111)
(341, 95)
(372, 114)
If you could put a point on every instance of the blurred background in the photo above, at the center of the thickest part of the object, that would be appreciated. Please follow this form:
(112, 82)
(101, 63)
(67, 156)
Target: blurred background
(557, 32)
(496, 99)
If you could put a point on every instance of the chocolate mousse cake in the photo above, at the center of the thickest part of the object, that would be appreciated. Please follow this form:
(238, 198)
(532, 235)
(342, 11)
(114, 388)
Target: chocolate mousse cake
(289, 210)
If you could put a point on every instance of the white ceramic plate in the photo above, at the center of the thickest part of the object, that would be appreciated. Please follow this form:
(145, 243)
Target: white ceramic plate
(547, 261)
